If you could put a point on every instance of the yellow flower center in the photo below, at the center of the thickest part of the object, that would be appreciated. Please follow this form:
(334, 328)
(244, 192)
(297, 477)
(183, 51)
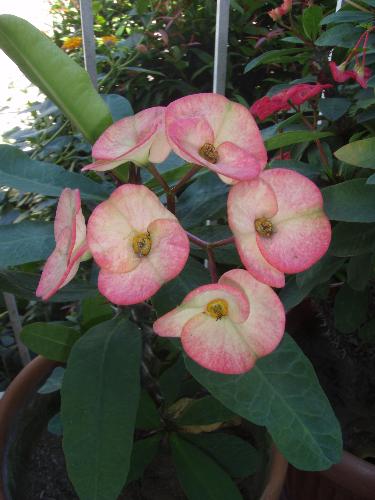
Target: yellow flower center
(209, 153)
(264, 227)
(142, 244)
(217, 308)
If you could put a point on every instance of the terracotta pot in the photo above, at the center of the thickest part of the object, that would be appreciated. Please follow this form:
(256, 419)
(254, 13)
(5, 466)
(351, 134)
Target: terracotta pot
(24, 386)
(351, 479)
(16, 396)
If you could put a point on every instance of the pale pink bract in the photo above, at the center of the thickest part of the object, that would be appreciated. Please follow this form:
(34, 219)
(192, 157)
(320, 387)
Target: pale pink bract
(278, 224)
(139, 138)
(209, 130)
(71, 248)
(137, 243)
(231, 339)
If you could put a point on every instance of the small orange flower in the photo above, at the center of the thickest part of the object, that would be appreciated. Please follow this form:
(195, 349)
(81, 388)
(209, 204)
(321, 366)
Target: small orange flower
(109, 39)
(72, 43)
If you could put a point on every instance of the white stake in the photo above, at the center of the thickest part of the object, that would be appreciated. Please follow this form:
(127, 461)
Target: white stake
(87, 24)
(221, 46)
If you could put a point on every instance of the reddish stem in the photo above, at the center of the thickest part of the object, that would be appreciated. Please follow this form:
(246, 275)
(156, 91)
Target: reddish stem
(186, 178)
(197, 241)
(212, 265)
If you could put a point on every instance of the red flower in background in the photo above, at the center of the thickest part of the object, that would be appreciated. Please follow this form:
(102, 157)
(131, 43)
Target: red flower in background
(279, 12)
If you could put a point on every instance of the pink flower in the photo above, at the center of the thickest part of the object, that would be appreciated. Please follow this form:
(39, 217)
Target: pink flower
(279, 12)
(278, 224)
(339, 73)
(227, 326)
(139, 138)
(71, 248)
(137, 243)
(283, 155)
(283, 100)
(362, 75)
(210, 130)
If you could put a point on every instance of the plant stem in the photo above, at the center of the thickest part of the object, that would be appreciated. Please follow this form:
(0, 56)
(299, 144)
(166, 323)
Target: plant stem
(15, 321)
(197, 241)
(356, 6)
(221, 243)
(154, 172)
(212, 264)
(186, 178)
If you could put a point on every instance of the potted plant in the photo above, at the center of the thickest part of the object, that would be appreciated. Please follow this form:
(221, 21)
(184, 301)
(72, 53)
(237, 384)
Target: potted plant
(234, 363)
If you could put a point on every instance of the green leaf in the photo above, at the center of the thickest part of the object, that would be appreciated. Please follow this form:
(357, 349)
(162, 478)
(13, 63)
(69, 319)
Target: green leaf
(358, 153)
(172, 294)
(311, 18)
(360, 271)
(118, 105)
(24, 285)
(283, 394)
(343, 35)
(55, 425)
(199, 475)
(54, 381)
(205, 411)
(271, 56)
(144, 451)
(50, 340)
(95, 310)
(148, 417)
(367, 332)
(292, 295)
(18, 171)
(171, 381)
(350, 238)
(100, 396)
(350, 309)
(350, 201)
(287, 138)
(347, 16)
(235, 455)
(334, 108)
(320, 272)
(56, 74)
(206, 198)
(25, 242)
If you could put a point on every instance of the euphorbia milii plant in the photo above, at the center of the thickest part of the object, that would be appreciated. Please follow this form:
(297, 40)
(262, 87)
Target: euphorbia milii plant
(137, 243)
(71, 247)
(226, 327)
(279, 224)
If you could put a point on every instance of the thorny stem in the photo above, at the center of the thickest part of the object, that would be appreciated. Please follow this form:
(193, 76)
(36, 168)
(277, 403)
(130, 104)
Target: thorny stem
(154, 171)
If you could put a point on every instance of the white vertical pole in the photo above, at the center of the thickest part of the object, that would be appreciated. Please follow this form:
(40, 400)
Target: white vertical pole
(221, 46)
(87, 24)
(339, 4)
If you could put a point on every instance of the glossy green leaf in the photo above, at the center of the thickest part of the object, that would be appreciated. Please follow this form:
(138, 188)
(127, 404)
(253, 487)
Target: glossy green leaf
(334, 108)
(172, 293)
(360, 270)
(51, 340)
(272, 56)
(342, 35)
(54, 381)
(23, 285)
(56, 74)
(347, 16)
(100, 395)
(358, 153)
(350, 309)
(95, 310)
(144, 451)
(206, 198)
(18, 171)
(320, 272)
(205, 411)
(199, 475)
(292, 295)
(351, 238)
(237, 457)
(55, 425)
(283, 394)
(25, 242)
(118, 105)
(350, 201)
(171, 381)
(288, 138)
(148, 417)
(311, 18)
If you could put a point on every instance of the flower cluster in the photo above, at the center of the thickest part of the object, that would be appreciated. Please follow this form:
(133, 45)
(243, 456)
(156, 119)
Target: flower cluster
(71, 43)
(276, 217)
(279, 12)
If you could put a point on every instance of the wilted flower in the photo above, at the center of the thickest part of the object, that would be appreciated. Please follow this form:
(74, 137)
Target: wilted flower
(71, 248)
(137, 243)
(279, 12)
(139, 138)
(278, 224)
(72, 43)
(339, 72)
(210, 130)
(226, 327)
